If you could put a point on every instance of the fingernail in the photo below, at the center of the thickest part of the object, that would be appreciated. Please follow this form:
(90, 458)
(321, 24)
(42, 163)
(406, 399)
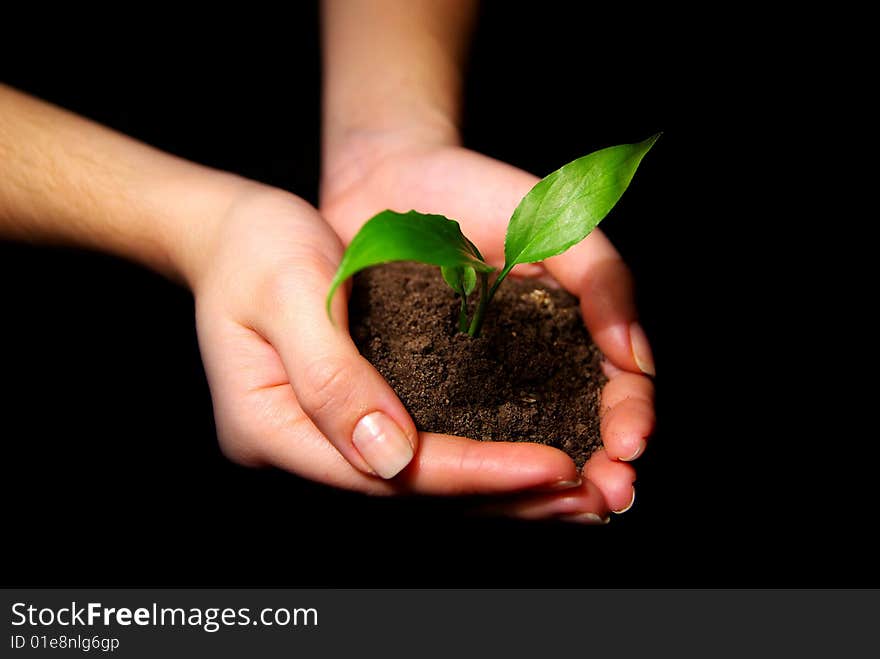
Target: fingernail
(584, 518)
(636, 453)
(565, 485)
(641, 349)
(628, 506)
(382, 444)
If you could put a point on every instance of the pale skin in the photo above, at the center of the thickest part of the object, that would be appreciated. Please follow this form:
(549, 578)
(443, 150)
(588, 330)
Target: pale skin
(406, 154)
(289, 389)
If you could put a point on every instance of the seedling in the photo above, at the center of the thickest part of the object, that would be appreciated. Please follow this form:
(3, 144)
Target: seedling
(560, 211)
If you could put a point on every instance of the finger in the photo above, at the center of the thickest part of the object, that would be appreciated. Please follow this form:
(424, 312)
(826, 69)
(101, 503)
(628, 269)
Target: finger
(614, 479)
(260, 421)
(455, 465)
(583, 504)
(444, 465)
(349, 402)
(627, 415)
(594, 271)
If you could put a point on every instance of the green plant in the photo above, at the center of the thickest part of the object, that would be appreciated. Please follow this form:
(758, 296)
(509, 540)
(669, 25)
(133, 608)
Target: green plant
(560, 211)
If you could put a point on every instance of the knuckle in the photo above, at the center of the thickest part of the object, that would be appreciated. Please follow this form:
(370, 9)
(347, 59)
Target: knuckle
(328, 386)
(237, 449)
(237, 440)
(320, 262)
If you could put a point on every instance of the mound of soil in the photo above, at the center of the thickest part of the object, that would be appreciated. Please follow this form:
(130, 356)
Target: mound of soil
(534, 374)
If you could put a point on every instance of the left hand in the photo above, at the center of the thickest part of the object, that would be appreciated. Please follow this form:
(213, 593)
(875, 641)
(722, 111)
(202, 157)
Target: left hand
(481, 193)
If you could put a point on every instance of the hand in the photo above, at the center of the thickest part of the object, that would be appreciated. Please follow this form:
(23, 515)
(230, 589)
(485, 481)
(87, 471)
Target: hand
(290, 389)
(481, 193)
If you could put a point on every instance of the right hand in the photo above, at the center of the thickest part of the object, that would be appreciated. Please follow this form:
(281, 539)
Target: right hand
(291, 390)
(403, 170)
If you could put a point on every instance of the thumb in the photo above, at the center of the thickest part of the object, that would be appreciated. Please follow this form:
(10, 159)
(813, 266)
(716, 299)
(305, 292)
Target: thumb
(340, 391)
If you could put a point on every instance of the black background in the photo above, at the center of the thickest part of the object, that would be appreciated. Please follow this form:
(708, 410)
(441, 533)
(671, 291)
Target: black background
(111, 472)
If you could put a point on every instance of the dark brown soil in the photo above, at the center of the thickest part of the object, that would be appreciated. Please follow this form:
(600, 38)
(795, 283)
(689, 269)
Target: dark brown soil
(533, 375)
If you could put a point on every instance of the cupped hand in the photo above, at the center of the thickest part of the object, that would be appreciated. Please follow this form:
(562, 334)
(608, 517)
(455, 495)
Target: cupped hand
(481, 193)
(290, 389)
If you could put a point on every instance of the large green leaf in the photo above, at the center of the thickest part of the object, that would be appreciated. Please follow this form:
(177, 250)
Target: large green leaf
(568, 204)
(412, 236)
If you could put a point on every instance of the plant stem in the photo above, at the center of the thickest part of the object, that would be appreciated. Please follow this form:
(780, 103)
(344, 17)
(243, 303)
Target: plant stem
(477, 321)
(486, 296)
(498, 280)
(462, 315)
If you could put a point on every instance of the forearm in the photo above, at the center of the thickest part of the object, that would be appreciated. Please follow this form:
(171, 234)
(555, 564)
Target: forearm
(67, 180)
(392, 68)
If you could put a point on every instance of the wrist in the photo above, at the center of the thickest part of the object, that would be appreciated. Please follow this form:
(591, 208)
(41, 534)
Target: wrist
(188, 212)
(392, 81)
(353, 149)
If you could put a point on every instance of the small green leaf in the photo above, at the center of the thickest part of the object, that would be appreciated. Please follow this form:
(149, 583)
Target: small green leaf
(461, 280)
(391, 236)
(568, 204)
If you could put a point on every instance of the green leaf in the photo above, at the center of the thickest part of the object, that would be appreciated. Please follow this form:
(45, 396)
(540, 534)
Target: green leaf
(461, 280)
(568, 204)
(412, 236)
